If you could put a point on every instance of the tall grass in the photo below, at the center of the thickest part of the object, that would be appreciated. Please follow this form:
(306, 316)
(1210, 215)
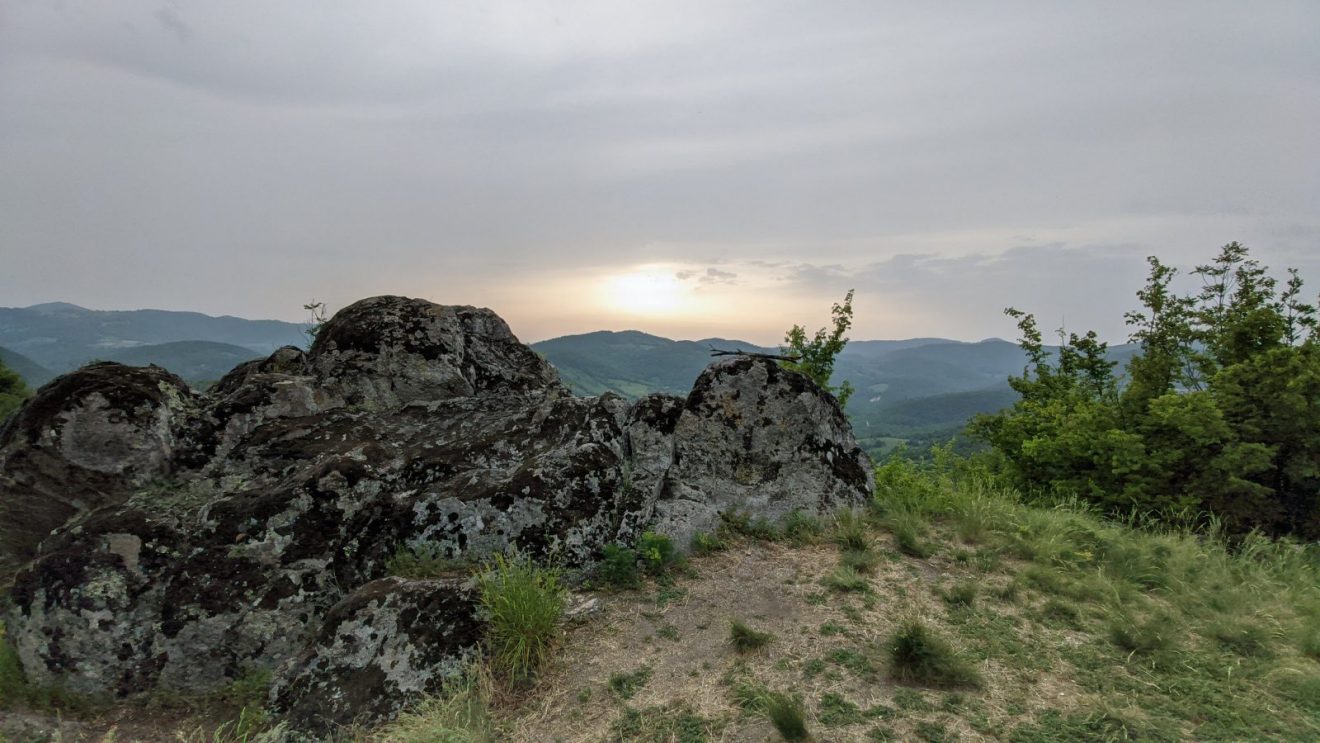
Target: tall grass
(523, 603)
(460, 714)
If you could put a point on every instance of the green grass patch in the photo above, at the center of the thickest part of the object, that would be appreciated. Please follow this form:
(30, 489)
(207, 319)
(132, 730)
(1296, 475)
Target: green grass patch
(845, 579)
(460, 714)
(675, 722)
(917, 655)
(523, 603)
(744, 639)
(626, 685)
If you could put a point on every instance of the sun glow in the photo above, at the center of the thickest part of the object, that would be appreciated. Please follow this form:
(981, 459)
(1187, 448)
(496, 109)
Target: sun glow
(647, 291)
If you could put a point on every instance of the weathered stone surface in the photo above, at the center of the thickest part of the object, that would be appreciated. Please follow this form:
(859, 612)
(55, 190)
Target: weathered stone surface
(385, 351)
(757, 438)
(244, 529)
(85, 440)
(384, 646)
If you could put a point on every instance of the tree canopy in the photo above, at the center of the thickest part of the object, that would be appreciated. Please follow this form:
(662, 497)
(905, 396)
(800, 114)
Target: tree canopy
(1218, 414)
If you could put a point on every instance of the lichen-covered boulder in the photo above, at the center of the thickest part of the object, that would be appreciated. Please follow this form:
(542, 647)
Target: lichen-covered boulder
(758, 438)
(160, 532)
(385, 351)
(85, 440)
(386, 645)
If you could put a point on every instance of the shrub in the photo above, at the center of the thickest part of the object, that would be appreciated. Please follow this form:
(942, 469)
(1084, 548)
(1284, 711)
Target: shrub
(918, 655)
(618, 568)
(705, 544)
(744, 639)
(524, 603)
(656, 552)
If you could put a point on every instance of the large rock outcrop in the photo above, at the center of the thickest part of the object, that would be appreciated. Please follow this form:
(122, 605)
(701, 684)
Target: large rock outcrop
(244, 529)
(86, 440)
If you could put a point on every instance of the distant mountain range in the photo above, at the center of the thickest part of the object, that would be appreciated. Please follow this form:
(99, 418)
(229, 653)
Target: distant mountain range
(921, 387)
(917, 388)
(49, 339)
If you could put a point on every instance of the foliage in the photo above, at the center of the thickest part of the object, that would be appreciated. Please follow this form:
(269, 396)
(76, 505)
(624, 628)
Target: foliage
(1219, 414)
(12, 391)
(316, 318)
(618, 567)
(816, 357)
(622, 567)
(523, 603)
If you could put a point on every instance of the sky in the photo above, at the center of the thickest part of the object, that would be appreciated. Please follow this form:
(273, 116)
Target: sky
(690, 169)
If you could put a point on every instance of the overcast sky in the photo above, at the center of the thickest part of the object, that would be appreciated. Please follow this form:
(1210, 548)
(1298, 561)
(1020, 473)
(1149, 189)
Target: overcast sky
(685, 168)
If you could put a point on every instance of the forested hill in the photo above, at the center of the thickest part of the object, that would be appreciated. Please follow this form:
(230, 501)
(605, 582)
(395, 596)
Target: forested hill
(58, 337)
(905, 388)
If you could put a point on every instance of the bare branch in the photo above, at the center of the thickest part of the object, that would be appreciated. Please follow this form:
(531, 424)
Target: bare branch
(750, 354)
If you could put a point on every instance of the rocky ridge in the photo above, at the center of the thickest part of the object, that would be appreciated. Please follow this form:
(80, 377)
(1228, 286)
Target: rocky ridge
(152, 531)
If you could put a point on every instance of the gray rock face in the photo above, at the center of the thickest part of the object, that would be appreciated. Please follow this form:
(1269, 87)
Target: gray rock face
(753, 437)
(384, 646)
(250, 528)
(86, 440)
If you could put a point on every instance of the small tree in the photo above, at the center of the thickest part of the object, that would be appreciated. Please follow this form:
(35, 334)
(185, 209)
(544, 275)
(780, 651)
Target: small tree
(12, 391)
(316, 310)
(815, 357)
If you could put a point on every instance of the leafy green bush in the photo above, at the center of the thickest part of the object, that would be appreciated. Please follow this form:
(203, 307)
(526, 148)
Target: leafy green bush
(618, 568)
(656, 552)
(523, 603)
(918, 655)
(706, 544)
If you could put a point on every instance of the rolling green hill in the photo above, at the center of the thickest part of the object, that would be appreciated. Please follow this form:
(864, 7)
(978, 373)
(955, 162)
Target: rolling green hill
(919, 388)
(34, 375)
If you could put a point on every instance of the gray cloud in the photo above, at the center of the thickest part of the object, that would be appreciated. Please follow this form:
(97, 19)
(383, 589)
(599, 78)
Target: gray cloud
(291, 150)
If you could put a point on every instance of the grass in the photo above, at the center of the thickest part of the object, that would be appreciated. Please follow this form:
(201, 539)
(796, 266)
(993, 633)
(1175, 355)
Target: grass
(425, 560)
(917, 655)
(785, 711)
(675, 722)
(851, 532)
(461, 714)
(523, 603)
(846, 579)
(744, 639)
(626, 685)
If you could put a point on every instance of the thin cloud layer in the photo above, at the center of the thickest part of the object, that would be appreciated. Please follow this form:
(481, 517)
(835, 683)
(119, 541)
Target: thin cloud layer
(244, 157)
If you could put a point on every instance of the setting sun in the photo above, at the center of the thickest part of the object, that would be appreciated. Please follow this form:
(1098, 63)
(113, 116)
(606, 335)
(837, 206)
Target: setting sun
(646, 291)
